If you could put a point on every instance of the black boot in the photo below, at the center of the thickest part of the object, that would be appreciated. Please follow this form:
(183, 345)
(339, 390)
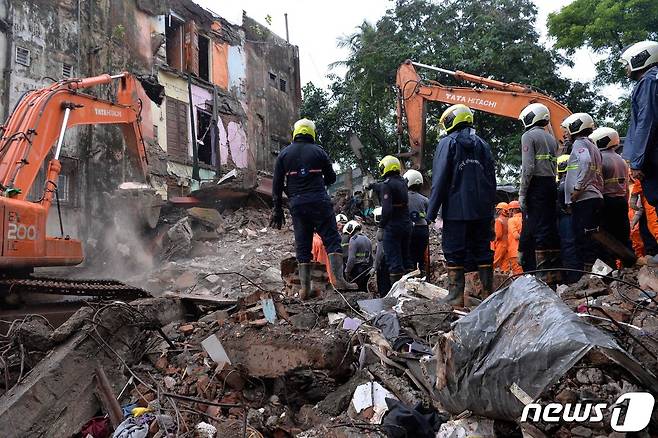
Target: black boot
(555, 261)
(543, 262)
(305, 280)
(486, 278)
(336, 263)
(456, 284)
(394, 278)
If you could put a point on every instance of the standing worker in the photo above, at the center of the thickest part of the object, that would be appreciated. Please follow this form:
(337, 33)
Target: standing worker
(359, 256)
(615, 189)
(464, 187)
(420, 233)
(568, 250)
(303, 169)
(583, 186)
(514, 230)
(538, 190)
(381, 268)
(499, 244)
(395, 217)
(641, 143)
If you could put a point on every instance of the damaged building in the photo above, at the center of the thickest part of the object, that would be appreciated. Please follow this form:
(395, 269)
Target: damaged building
(232, 92)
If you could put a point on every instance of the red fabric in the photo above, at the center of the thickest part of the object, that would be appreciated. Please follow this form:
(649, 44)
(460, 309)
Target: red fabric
(98, 427)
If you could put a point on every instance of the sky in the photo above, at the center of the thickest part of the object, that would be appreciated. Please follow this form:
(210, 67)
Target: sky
(316, 26)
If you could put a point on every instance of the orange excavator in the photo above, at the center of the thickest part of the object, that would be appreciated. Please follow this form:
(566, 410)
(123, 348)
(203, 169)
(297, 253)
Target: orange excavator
(490, 96)
(38, 125)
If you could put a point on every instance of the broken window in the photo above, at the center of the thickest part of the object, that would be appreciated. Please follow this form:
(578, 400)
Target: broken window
(272, 79)
(191, 48)
(67, 71)
(204, 139)
(204, 58)
(177, 123)
(22, 56)
(282, 84)
(174, 42)
(63, 188)
(66, 182)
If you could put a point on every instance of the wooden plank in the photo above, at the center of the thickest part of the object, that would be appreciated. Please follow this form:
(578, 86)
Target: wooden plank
(204, 299)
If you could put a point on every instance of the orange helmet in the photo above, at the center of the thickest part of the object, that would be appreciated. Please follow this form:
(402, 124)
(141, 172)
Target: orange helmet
(514, 205)
(502, 206)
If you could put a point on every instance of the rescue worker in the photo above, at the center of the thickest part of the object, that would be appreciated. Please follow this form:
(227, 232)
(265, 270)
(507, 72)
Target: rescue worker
(420, 233)
(464, 187)
(341, 220)
(648, 221)
(381, 268)
(635, 213)
(568, 251)
(359, 256)
(514, 229)
(615, 189)
(641, 143)
(583, 186)
(499, 244)
(303, 169)
(538, 188)
(395, 220)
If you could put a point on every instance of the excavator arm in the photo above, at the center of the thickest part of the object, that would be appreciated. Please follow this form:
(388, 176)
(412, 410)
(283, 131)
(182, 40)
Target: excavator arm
(504, 99)
(36, 126)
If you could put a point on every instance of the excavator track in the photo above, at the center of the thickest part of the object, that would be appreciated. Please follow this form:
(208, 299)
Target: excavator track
(109, 289)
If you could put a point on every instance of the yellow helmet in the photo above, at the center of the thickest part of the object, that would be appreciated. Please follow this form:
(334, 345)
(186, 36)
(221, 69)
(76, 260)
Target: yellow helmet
(389, 164)
(562, 161)
(454, 116)
(304, 127)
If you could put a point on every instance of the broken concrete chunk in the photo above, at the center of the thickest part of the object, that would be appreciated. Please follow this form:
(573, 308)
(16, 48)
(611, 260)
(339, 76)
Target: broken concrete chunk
(207, 216)
(186, 329)
(467, 427)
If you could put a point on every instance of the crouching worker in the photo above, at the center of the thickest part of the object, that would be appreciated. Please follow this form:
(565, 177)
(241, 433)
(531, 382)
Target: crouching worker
(359, 258)
(303, 169)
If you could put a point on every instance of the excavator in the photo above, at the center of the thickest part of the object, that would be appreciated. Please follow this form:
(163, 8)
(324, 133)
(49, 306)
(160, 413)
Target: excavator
(37, 127)
(491, 96)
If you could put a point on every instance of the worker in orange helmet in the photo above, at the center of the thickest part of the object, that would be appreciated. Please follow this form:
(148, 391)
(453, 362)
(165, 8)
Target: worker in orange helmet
(499, 244)
(514, 225)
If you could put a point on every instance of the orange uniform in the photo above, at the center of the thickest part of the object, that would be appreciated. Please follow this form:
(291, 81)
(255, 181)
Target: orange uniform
(499, 245)
(319, 254)
(513, 234)
(649, 210)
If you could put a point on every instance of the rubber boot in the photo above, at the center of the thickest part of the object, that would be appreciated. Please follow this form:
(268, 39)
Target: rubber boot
(456, 284)
(543, 262)
(555, 261)
(486, 278)
(305, 280)
(336, 263)
(394, 278)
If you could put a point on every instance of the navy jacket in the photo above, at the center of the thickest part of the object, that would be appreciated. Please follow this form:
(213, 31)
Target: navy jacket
(463, 178)
(641, 144)
(305, 169)
(394, 197)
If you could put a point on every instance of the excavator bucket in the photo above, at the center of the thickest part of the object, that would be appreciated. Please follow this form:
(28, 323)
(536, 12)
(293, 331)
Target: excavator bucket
(137, 203)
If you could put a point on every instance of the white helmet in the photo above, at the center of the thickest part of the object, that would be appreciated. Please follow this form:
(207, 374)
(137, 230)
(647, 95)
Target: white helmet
(533, 113)
(341, 218)
(377, 214)
(351, 227)
(640, 55)
(413, 177)
(605, 138)
(578, 122)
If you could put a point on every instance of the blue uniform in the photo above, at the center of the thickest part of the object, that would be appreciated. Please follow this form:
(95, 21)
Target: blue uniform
(303, 170)
(396, 224)
(464, 187)
(641, 143)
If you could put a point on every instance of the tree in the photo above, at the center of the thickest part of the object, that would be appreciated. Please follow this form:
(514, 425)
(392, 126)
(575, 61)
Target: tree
(493, 38)
(606, 27)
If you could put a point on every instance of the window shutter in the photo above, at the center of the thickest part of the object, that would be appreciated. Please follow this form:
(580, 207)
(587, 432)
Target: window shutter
(191, 48)
(177, 141)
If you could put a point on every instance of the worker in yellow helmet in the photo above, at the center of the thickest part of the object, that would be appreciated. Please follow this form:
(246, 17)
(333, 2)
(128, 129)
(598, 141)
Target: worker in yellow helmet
(303, 170)
(395, 221)
(464, 188)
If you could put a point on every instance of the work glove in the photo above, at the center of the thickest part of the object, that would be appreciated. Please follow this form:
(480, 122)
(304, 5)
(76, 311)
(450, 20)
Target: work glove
(522, 203)
(635, 205)
(277, 219)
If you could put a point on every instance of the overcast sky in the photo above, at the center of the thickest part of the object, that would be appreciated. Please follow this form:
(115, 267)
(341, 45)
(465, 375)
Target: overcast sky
(315, 27)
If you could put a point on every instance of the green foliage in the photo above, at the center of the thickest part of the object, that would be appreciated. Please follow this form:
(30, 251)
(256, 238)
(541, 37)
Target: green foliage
(607, 27)
(493, 38)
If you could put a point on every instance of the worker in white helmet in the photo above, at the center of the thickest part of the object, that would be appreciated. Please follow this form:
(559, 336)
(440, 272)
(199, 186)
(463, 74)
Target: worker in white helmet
(420, 234)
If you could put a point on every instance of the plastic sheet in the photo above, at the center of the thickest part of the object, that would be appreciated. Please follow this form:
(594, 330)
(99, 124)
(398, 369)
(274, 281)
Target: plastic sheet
(523, 335)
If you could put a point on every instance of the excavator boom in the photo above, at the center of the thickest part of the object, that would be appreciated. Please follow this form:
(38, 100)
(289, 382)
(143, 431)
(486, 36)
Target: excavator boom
(36, 126)
(504, 99)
